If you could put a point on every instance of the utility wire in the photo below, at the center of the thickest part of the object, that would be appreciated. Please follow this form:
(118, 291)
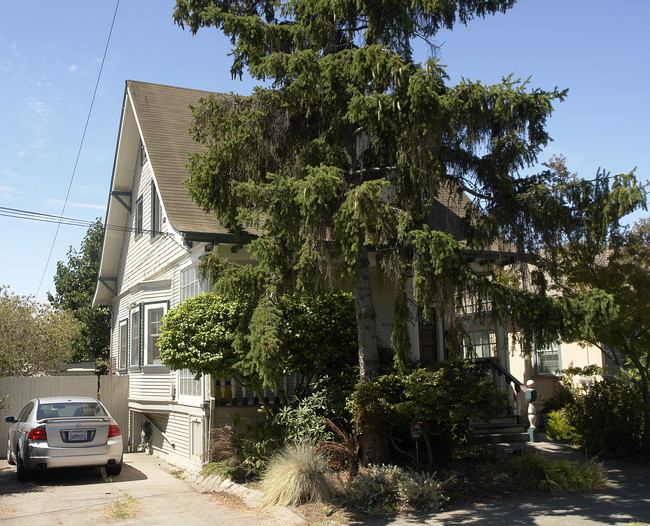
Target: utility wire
(69, 221)
(83, 136)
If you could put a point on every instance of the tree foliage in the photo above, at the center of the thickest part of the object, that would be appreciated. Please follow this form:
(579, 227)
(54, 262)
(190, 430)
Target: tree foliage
(340, 160)
(594, 259)
(313, 336)
(75, 283)
(33, 337)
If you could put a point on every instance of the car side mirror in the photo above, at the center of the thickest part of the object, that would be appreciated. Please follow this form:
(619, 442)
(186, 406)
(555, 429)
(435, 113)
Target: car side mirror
(10, 419)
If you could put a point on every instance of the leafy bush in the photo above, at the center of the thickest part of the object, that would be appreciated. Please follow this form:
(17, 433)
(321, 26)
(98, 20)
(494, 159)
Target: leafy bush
(558, 427)
(297, 475)
(390, 488)
(609, 416)
(305, 421)
(442, 400)
(548, 475)
(239, 454)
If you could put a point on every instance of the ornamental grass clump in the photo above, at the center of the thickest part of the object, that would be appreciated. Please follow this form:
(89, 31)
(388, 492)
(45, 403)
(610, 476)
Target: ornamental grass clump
(391, 488)
(548, 475)
(297, 475)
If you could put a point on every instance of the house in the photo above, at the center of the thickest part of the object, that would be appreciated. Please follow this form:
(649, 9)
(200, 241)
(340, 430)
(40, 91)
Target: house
(154, 238)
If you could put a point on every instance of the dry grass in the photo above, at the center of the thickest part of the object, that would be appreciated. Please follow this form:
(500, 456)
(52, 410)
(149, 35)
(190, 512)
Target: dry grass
(297, 475)
(6, 511)
(125, 508)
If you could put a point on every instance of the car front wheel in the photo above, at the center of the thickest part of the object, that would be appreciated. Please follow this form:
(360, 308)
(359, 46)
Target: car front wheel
(10, 458)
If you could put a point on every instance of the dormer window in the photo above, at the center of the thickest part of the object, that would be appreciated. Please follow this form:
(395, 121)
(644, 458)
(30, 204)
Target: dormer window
(143, 154)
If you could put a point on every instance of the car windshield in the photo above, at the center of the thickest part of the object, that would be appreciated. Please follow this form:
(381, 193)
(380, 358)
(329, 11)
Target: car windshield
(68, 409)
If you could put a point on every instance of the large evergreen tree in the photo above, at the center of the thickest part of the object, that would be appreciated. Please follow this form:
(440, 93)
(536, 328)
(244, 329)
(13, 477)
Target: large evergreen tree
(341, 158)
(75, 284)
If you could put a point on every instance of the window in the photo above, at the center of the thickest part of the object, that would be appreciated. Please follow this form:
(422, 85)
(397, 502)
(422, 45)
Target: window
(547, 360)
(135, 337)
(137, 218)
(124, 343)
(143, 154)
(482, 343)
(156, 213)
(191, 283)
(153, 314)
(188, 385)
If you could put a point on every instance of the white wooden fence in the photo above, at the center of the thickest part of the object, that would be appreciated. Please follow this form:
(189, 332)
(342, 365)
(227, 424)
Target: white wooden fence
(112, 390)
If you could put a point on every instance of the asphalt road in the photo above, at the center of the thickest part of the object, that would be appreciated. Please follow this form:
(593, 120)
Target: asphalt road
(146, 492)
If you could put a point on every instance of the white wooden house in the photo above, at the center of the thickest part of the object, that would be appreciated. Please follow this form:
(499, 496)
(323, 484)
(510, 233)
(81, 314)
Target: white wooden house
(154, 238)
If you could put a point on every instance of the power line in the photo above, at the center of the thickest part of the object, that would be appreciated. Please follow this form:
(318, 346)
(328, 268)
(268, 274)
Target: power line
(39, 217)
(83, 136)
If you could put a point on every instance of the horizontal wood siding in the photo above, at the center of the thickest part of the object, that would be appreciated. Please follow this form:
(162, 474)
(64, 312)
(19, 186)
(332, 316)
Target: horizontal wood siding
(146, 386)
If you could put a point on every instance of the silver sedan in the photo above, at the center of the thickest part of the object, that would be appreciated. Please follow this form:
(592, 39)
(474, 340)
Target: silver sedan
(62, 432)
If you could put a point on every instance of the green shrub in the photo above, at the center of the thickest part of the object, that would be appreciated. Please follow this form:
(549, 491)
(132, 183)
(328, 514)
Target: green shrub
(609, 416)
(305, 421)
(297, 475)
(548, 475)
(390, 488)
(558, 428)
(443, 400)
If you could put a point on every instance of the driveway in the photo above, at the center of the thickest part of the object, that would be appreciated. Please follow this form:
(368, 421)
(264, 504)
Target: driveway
(146, 492)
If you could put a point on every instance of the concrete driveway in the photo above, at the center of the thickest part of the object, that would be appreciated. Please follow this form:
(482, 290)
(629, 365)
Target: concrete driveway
(146, 492)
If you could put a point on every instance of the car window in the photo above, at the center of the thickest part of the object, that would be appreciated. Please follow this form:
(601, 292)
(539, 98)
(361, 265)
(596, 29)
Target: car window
(25, 412)
(70, 409)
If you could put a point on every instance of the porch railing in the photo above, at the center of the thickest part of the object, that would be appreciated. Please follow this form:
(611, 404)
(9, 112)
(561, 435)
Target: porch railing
(499, 375)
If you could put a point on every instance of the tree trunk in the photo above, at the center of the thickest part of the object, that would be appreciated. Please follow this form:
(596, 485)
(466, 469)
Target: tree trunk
(366, 321)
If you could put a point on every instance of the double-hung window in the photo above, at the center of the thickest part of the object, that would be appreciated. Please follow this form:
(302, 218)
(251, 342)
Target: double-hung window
(124, 343)
(153, 314)
(135, 339)
(547, 360)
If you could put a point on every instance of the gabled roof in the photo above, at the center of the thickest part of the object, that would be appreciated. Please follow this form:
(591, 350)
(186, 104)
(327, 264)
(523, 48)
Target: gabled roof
(160, 116)
(164, 117)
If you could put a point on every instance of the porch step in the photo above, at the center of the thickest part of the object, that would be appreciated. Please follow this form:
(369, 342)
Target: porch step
(499, 430)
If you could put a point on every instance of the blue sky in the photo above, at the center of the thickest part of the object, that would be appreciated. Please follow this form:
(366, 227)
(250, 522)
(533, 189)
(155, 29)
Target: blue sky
(50, 55)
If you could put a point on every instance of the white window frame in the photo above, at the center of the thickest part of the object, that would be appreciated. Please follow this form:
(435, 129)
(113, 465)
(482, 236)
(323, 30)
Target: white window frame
(191, 283)
(479, 346)
(189, 388)
(554, 348)
(135, 336)
(123, 344)
(148, 309)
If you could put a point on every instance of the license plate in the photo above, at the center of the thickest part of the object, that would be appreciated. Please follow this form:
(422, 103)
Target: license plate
(77, 436)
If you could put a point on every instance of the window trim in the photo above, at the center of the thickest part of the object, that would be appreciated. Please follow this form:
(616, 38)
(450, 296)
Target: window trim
(138, 212)
(184, 397)
(548, 349)
(491, 345)
(146, 308)
(202, 285)
(156, 212)
(123, 325)
(132, 352)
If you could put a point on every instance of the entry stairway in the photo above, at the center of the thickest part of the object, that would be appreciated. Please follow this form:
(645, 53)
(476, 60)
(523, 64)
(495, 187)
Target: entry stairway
(510, 427)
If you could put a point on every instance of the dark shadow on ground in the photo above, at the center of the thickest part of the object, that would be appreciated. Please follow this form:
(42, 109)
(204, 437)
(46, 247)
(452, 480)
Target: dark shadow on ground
(61, 477)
